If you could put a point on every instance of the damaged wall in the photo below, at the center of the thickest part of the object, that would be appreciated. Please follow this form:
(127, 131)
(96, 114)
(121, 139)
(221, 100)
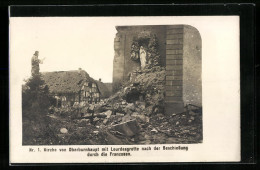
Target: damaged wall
(123, 64)
(192, 85)
(180, 52)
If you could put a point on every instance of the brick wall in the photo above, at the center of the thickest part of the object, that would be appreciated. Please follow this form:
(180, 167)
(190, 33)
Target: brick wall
(174, 69)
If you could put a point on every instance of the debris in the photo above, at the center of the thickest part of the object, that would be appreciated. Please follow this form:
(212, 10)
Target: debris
(147, 142)
(96, 132)
(105, 121)
(154, 130)
(96, 115)
(63, 130)
(112, 140)
(129, 128)
(143, 118)
(96, 119)
(126, 118)
(83, 122)
(130, 106)
(119, 114)
(133, 115)
(108, 113)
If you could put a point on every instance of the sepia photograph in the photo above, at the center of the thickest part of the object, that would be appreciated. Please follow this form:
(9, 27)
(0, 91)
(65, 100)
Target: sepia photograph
(154, 96)
(122, 86)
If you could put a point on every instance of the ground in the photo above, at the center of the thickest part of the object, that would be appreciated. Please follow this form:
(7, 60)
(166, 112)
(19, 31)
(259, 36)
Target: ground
(62, 129)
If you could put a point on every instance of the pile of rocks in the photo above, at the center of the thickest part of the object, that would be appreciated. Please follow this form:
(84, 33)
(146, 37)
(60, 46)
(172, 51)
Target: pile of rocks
(135, 115)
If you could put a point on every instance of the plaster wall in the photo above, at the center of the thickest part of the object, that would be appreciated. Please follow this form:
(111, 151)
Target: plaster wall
(192, 67)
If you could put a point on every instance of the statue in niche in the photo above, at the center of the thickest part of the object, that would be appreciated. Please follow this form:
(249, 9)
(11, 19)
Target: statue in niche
(142, 57)
(144, 50)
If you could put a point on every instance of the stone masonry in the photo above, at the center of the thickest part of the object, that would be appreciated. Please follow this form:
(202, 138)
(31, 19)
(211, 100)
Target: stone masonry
(180, 51)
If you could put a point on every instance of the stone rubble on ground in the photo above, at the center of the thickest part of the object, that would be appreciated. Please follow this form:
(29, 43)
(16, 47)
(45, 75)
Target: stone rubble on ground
(134, 115)
(63, 130)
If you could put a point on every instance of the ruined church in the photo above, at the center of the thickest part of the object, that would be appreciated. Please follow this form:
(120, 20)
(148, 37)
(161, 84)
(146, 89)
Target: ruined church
(175, 47)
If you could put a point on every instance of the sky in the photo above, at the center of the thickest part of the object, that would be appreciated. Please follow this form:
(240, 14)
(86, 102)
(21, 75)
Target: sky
(69, 43)
(65, 43)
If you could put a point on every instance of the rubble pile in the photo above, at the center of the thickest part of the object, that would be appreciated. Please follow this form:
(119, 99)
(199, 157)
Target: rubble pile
(145, 90)
(133, 115)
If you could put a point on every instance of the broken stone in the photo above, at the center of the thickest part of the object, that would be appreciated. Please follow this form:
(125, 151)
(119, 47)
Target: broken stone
(177, 123)
(119, 114)
(147, 142)
(154, 130)
(63, 130)
(119, 119)
(129, 128)
(95, 132)
(142, 106)
(190, 121)
(138, 110)
(143, 118)
(149, 110)
(108, 113)
(130, 106)
(100, 115)
(126, 118)
(160, 115)
(141, 138)
(83, 122)
(91, 107)
(156, 110)
(192, 118)
(127, 111)
(147, 137)
(172, 140)
(186, 131)
(134, 114)
(105, 121)
(96, 119)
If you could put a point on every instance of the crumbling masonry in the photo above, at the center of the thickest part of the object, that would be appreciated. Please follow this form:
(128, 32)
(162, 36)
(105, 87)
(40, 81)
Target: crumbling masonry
(180, 53)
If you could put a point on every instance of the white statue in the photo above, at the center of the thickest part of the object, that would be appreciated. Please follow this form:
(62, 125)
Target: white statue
(142, 57)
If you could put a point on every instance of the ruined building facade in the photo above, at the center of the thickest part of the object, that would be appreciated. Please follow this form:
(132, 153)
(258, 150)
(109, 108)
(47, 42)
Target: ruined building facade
(180, 53)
